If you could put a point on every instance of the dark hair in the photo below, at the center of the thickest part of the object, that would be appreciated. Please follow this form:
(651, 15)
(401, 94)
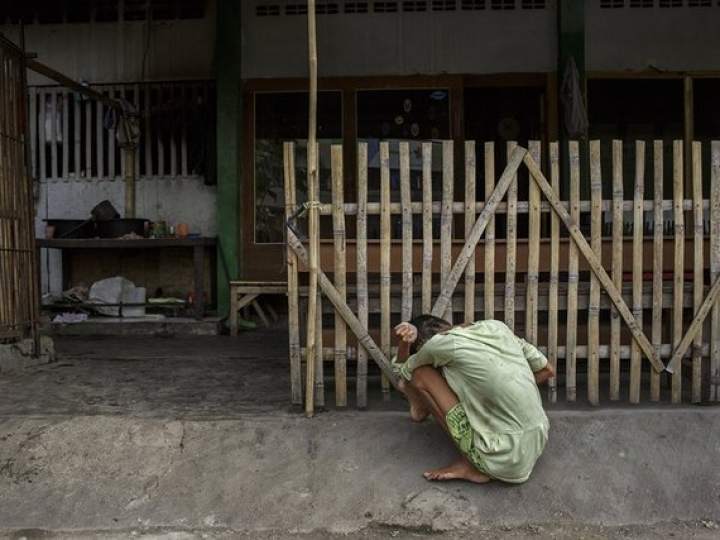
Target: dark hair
(427, 326)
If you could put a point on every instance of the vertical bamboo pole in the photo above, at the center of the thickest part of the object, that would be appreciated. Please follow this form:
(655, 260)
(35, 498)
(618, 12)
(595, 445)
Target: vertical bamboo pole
(572, 288)
(159, 137)
(594, 300)
(314, 218)
(173, 138)
(319, 357)
(147, 119)
(111, 142)
(292, 269)
(183, 137)
(64, 96)
(77, 136)
(88, 139)
(99, 140)
(554, 274)
(658, 233)
(679, 264)
(511, 242)
(531, 305)
(136, 102)
(33, 130)
(470, 197)
(385, 239)
(446, 219)
(338, 201)
(698, 267)
(427, 218)
(361, 271)
(407, 233)
(715, 270)
(489, 285)
(617, 264)
(53, 133)
(42, 133)
(637, 273)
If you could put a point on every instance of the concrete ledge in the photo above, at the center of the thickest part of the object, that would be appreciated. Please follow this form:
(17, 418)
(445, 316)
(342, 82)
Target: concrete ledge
(342, 472)
(138, 327)
(18, 356)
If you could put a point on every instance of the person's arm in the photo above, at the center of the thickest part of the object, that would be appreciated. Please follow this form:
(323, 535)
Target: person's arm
(437, 352)
(542, 370)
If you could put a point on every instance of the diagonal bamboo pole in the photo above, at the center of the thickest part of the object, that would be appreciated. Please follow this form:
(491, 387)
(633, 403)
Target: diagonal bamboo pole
(313, 225)
(443, 300)
(594, 263)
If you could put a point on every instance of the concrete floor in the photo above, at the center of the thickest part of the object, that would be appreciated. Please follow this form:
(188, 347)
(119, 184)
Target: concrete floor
(194, 438)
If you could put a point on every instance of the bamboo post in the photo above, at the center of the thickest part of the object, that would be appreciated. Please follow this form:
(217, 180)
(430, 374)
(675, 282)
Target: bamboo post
(617, 264)
(99, 140)
(531, 304)
(698, 267)
(42, 133)
(77, 136)
(470, 197)
(446, 220)
(385, 240)
(489, 285)
(594, 300)
(637, 272)
(338, 199)
(554, 275)
(658, 234)
(407, 233)
(32, 101)
(111, 143)
(443, 300)
(679, 264)
(427, 218)
(292, 269)
(361, 271)
(65, 135)
(510, 244)
(53, 132)
(714, 394)
(572, 288)
(313, 219)
(319, 357)
(595, 266)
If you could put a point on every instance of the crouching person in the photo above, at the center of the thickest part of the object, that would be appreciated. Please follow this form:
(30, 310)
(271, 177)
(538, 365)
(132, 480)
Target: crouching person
(479, 381)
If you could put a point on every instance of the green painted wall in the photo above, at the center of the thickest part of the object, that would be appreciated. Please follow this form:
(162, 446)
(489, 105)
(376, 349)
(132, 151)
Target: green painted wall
(229, 146)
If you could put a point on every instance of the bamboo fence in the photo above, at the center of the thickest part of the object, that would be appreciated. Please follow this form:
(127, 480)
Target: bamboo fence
(606, 280)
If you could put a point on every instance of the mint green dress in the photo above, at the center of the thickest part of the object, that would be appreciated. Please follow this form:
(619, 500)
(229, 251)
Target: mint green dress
(499, 424)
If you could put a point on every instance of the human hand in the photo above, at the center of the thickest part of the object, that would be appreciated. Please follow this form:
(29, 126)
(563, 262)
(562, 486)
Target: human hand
(406, 332)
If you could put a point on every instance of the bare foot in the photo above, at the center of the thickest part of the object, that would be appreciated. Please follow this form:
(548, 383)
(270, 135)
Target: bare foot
(418, 412)
(461, 469)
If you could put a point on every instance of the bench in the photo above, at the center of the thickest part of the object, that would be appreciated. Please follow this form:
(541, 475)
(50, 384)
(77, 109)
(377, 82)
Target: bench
(247, 293)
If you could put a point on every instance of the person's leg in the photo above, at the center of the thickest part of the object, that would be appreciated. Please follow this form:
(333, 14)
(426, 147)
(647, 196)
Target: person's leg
(440, 398)
(419, 409)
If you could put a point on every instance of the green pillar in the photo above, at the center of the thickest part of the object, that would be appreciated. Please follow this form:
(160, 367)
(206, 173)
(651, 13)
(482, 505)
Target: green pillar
(571, 43)
(229, 147)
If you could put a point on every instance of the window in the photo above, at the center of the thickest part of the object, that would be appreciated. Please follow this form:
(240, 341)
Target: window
(533, 4)
(282, 117)
(612, 4)
(473, 5)
(356, 7)
(443, 5)
(296, 8)
(414, 5)
(671, 3)
(699, 3)
(502, 4)
(267, 10)
(392, 115)
(385, 7)
(327, 8)
(641, 3)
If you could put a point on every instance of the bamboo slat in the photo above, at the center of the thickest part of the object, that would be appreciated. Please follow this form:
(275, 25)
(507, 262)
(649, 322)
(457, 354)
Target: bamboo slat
(470, 195)
(571, 332)
(184, 132)
(313, 375)
(173, 140)
(679, 265)
(554, 275)
(427, 225)
(319, 371)
(42, 133)
(147, 120)
(658, 223)
(111, 143)
(593, 263)
(698, 267)
(446, 219)
(53, 133)
(531, 304)
(594, 301)
(407, 233)
(510, 244)
(33, 130)
(637, 273)
(160, 139)
(64, 96)
(99, 140)
(617, 264)
(88, 135)
(385, 239)
(361, 273)
(77, 137)
(292, 277)
(714, 394)
(443, 300)
(338, 197)
(489, 233)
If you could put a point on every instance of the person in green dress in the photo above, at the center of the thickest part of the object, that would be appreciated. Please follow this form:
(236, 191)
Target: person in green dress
(480, 382)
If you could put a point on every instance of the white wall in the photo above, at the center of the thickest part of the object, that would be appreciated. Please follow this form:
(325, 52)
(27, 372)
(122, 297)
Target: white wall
(401, 43)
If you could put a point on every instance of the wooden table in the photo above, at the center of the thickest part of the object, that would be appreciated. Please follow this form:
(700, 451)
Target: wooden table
(198, 245)
(245, 293)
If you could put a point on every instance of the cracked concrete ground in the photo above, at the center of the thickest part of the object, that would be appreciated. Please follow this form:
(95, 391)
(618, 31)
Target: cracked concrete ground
(193, 438)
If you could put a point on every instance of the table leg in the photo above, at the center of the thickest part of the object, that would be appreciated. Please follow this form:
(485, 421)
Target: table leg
(199, 295)
(233, 317)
